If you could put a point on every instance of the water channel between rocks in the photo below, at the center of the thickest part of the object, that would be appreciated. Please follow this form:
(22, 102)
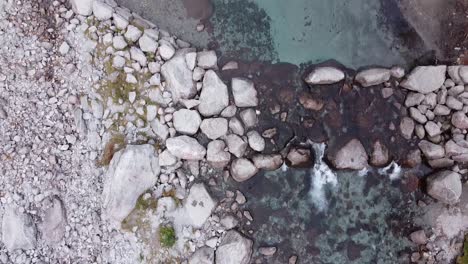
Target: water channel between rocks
(320, 215)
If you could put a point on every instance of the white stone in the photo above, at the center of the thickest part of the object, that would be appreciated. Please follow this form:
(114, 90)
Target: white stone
(207, 59)
(120, 21)
(204, 255)
(18, 230)
(185, 147)
(151, 112)
(147, 44)
(463, 72)
(102, 11)
(133, 33)
(167, 159)
(234, 249)
(230, 65)
(131, 79)
(166, 51)
(161, 130)
(325, 75)
(199, 205)
(242, 169)
(82, 7)
(236, 145)
(214, 128)
(64, 48)
(119, 42)
(425, 79)
(214, 96)
(54, 222)
(244, 92)
(445, 186)
(138, 55)
(191, 59)
(187, 121)
(373, 77)
(256, 141)
(155, 79)
(178, 78)
(118, 62)
(216, 154)
(267, 162)
(351, 156)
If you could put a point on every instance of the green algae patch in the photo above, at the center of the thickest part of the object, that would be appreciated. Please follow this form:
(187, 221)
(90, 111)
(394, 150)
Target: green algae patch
(464, 258)
(167, 236)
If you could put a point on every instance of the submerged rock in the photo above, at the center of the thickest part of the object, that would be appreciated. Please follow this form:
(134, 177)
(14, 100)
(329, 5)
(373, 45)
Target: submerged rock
(242, 170)
(199, 205)
(352, 156)
(178, 77)
(324, 75)
(373, 77)
(234, 249)
(131, 172)
(185, 147)
(425, 79)
(445, 186)
(18, 230)
(380, 156)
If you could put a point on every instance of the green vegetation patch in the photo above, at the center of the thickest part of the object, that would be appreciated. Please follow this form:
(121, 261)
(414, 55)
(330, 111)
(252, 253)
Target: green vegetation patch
(464, 258)
(167, 236)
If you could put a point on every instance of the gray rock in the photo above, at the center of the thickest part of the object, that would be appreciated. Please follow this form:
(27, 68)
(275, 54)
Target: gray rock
(268, 162)
(198, 74)
(431, 100)
(230, 65)
(236, 126)
(459, 120)
(138, 55)
(178, 78)
(185, 147)
(397, 72)
(186, 121)
(244, 92)
(256, 141)
(324, 75)
(373, 77)
(82, 7)
(190, 103)
(407, 127)
(442, 96)
(420, 131)
(234, 249)
(216, 154)
(167, 51)
(204, 255)
(199, 205)
(380, 156)
(207, 59)
(119, 42)
(148, 44)
(456, 90)
(102, 11)
(214, 128)
(267, 251)
(64, 48)
(229, 222)
(131, 172)
(214, 96)
(236, 145)
(54, 222)
(191, 59)
(445, 186)
(454, 73)
(118, 62)
(18, 230)
(441, 110)
(351, 156)
(463, 72)
(425, 79)
(454, 103)
(242, 169)
(133, 33)
(453, 149)
(414, 99)
(160, 129)
(431, 150)
(167, 159)
(417, 115)
(249, 117)
(419, 237)
(229, 111)
(432, 129)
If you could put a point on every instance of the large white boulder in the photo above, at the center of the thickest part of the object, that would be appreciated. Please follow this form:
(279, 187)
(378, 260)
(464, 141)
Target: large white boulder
(351, 156)
(102, 11)
(425, 79)
(244, 92)
(214, 96)
(445, 186)
(178, 77)
(198, 205)
(131, 172)
(214, 128)
(185, 147)
(82, 7)
(242, 169)
(324, 75)
(18, 230)
(234, 249)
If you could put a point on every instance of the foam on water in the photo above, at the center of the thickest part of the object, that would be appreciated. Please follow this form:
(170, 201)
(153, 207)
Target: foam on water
(321, 175)
(393, 171)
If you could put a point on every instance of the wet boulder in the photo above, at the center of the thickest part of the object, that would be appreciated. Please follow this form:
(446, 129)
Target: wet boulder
(373, 77)
(445, 186)
(185, 147)
(324, 75)
(425, 79)
(351, 156)
(214, 96)
(18, 230)
(299, 157)
(244, 92)
(131, 172)
(178, 77)
(234, 249)
(242, 170)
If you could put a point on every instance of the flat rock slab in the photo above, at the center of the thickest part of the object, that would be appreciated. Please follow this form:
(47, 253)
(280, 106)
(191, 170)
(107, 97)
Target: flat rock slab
(425, 79)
